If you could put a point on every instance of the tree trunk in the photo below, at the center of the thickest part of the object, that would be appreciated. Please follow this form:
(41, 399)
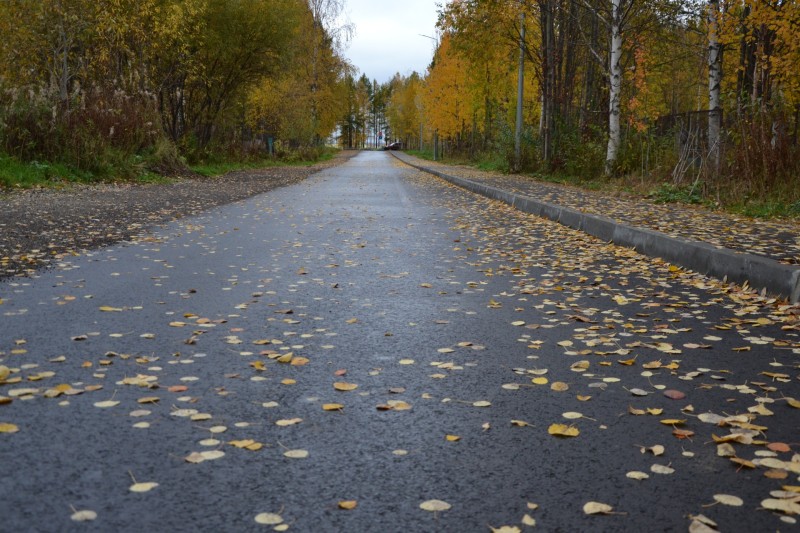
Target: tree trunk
(744, 76)
(520, 86)
(548, 69)
(615, 86)
(714, 82)
(588, 97)
(570, 47)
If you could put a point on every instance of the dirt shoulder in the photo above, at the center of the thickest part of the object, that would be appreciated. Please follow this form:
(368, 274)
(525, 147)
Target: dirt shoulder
(39, 226)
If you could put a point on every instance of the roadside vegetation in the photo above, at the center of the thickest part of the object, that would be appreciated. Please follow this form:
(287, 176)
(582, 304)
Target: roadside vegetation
(219, 166)
(695, 101)
(146, 89)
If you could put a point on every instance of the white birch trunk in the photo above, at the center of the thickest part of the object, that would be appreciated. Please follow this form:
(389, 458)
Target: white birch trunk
(714, 82)
(615, 86)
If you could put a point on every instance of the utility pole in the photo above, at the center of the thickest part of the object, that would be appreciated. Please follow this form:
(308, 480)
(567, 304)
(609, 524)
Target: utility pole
(520, 86)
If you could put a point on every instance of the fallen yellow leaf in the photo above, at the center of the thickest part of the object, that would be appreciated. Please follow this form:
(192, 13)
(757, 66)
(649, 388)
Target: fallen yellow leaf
(563, 430)
(143, 487)
(296, 454)
(434, 506)
(288, 422)
(597, 508)
(268, 519)
(84, 515)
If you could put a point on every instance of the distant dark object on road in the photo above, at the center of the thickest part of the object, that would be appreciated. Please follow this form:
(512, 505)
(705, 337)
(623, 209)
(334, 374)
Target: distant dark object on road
(394, 146)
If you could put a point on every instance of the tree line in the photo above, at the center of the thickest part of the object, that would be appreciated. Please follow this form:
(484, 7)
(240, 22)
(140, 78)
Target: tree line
(105, 85)
(703, 94)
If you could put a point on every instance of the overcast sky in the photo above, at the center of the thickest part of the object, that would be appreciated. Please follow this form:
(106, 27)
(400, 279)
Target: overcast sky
(387, 36)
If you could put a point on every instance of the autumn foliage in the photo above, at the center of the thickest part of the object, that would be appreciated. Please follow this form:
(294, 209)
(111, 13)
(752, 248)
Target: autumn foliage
(107, 85)
(468, 95)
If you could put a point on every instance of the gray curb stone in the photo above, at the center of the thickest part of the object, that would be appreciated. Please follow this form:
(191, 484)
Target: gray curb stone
(722, 263)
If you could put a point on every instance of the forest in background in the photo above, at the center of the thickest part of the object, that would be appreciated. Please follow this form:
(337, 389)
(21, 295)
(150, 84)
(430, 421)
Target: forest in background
(700, 99)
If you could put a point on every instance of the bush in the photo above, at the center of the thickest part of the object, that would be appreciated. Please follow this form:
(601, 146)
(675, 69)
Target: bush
(581, 155)
(669, 193)
(301, 154)
(760, 158)
(504, 145)
(105, 133)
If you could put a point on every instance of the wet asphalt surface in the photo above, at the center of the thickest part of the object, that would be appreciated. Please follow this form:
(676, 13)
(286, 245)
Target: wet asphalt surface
(378, 276)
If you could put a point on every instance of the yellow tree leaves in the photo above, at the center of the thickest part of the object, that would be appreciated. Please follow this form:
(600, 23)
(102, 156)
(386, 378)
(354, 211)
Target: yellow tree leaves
(404, 111)
(199, 58)
(771, 29)
(304, 100)
(446, 105)
(471, 74)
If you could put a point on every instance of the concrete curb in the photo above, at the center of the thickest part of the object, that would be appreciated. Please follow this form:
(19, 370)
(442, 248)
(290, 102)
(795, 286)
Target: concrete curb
(759, 272)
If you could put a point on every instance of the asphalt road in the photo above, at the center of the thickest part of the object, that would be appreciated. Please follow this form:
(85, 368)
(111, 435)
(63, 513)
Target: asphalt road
(464, 330)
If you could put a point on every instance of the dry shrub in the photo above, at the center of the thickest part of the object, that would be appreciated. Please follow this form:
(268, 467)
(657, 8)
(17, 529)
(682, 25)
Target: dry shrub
(761, 160)
(107, 132)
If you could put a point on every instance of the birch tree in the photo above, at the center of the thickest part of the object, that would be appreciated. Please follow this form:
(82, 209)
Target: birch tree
(615, 84)
(714, 84)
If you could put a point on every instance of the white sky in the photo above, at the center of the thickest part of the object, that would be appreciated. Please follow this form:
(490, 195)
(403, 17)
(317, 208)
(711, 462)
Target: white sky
(387, 37)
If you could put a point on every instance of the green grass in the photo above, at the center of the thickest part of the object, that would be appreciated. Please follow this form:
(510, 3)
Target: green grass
(152, 177)
(496, 164)
(220, 166)
(212, 169)
(422, 154)
(768, 209)
(15, 174)
(667, 193)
